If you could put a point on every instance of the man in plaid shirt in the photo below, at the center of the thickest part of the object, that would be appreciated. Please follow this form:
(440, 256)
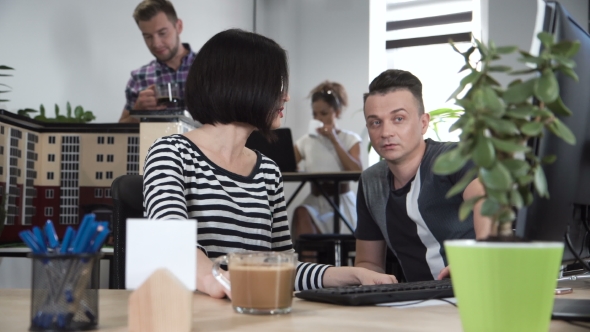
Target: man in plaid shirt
(161, 29)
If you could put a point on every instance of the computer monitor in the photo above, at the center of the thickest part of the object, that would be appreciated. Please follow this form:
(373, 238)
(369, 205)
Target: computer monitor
(567, 211)
(281, 150)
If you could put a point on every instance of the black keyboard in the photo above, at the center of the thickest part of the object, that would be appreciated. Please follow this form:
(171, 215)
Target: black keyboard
(366, 295)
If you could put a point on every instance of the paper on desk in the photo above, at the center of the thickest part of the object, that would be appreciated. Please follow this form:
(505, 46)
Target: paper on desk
(154, 244)
(417, 304)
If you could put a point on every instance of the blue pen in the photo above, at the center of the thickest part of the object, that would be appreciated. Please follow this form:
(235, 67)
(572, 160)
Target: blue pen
(28, 239)
(40, 238)
(52, 238)
(84, 237)
(89, 218)
(67, 240)
(99, 240)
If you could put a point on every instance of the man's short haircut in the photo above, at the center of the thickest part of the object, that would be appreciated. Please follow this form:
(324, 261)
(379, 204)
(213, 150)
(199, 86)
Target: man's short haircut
(238, 76)
(393, 80)
(147, 9)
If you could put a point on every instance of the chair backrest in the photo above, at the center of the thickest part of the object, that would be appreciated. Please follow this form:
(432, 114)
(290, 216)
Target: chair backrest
(127, 193)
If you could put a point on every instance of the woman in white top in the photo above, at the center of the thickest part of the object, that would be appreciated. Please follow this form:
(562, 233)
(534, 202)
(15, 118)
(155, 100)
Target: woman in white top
(328, 149)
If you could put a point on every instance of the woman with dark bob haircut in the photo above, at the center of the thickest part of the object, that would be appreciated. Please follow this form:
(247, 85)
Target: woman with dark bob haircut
(238, 83)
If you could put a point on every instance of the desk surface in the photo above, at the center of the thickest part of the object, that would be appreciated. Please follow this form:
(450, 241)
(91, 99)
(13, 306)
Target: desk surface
(217, 315)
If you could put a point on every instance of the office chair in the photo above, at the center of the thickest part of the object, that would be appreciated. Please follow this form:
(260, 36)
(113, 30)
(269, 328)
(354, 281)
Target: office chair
(127, 193)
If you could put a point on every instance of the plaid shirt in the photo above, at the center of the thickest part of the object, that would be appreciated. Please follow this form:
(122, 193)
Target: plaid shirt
(157, 72)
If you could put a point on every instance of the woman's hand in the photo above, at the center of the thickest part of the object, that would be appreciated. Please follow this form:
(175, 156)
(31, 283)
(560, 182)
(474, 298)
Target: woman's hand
(211, 286)
(328, 131)
(347, 276)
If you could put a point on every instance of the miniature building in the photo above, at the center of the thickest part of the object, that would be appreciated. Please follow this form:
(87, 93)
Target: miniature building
(60, 171)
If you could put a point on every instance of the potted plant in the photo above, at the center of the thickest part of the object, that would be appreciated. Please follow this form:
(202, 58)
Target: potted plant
(2, 67)
(505, 284)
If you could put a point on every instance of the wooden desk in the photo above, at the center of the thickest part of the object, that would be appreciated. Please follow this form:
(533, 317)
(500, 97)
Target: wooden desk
(217, 315)
(336, 178)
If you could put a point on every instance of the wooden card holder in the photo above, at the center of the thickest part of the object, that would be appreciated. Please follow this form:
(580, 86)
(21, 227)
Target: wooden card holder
(161, 303)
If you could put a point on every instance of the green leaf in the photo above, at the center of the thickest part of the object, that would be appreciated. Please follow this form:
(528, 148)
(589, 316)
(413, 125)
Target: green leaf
(532, 129)
(501, 126)
(483, 50)
(540, 182)
(522, 71)
(569, 72)
(517, 167)
(496, 178)
(490, 207)
(449, 162)
(521, 112)
(506, 215)
(561, 130)
(566, 48)
(527, 58)
(525, 179)
(484, 154)
(461, 123)
(57, 111)
(460, 186)
(499, 196)
(558, 107)
(519, 92)
(492, 102)
(506, 49)
(508, 146)
(516, 199)
(6, 67)
(78, 112)
(42, 109)
(465, 67)
(68, 110)
(546, 39)
(550, 159)
(499, 68)
(546, 87)
(467, 206)
(526, 194)
(563, 61)
(472, 77)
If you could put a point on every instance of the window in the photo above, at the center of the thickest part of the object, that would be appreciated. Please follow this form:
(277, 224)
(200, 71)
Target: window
(110, 158)
(110, 140)
(109, 175)
(51, 139)
(99, 175)
(48, 193)
(97, 193)
(2, 130)
(1, 170)
(107, 193)
(49, 211)
(51, 157)
(1, 149)
(49, 175)
(99, 158)
(100, 139)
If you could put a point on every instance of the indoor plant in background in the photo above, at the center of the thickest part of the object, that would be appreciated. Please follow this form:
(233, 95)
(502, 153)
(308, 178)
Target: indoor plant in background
(2, 67)
(505, 284)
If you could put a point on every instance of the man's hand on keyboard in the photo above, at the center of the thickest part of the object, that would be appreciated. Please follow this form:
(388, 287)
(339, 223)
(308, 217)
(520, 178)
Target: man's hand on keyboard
(347, 276)
(444, 273)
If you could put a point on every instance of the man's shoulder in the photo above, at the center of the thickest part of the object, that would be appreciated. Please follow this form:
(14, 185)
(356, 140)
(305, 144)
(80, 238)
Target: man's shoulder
(376, 172)
(145, 69)
(435, 148)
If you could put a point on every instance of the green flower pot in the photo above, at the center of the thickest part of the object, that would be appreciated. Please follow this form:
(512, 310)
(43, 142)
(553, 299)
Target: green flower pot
(504, 286)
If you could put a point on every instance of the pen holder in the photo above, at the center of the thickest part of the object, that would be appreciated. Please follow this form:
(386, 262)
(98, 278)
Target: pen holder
(64, 292)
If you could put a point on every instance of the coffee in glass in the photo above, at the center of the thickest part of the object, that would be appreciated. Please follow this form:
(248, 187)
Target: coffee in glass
(261, 282)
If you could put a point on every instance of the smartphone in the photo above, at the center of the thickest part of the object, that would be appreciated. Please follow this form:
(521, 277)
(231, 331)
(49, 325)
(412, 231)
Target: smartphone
(563, 290)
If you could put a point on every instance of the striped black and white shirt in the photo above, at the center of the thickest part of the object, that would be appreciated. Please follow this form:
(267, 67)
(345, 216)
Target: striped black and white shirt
(234, 213)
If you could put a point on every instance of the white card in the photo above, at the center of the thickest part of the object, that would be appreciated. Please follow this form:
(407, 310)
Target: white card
(154, 244)
(313, 125)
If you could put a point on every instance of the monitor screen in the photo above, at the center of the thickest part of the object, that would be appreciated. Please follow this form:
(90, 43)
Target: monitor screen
(567, 210)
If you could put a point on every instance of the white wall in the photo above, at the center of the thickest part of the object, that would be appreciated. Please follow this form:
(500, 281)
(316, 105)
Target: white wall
(326, 40)
(84, 51)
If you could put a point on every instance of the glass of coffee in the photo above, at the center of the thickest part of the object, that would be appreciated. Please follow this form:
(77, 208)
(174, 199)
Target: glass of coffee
(261, 282)
(169, 95)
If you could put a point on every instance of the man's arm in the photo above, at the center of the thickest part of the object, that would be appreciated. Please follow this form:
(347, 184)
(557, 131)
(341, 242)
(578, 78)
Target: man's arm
(371, 255)
(126, 118)
(481, 224)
